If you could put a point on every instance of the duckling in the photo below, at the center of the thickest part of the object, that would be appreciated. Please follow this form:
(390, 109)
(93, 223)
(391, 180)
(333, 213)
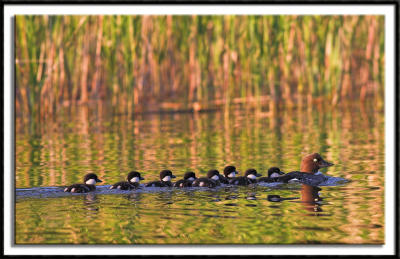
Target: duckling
(165, 180)
(249, 177)
(187, 180)
(132, 182)
(89, 184)
(274, 175)
(212, 180)
(229, 173)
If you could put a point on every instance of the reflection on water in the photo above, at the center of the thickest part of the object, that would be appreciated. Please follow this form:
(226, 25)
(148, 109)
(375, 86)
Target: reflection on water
(91, 139)
(310, 197)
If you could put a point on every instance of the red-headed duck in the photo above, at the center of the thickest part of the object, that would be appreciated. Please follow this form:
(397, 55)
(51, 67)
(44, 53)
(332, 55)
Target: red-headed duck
(312, 163)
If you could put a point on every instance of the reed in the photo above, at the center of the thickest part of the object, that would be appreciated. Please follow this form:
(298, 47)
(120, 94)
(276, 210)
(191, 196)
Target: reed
(141, 63)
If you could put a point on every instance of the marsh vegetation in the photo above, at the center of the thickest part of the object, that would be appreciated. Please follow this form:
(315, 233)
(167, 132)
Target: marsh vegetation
(150, 63)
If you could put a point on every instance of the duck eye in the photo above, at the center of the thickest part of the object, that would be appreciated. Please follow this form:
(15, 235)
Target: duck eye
(315, 160)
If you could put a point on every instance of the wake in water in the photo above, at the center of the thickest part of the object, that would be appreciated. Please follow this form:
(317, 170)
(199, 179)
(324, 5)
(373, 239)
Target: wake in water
(318, 179)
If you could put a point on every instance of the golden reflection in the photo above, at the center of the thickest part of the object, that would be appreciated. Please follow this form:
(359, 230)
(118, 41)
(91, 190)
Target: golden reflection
(310, 198)
(93, 140)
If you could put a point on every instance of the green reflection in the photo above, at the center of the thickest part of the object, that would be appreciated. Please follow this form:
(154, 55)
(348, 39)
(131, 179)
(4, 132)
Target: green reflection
(112, 146)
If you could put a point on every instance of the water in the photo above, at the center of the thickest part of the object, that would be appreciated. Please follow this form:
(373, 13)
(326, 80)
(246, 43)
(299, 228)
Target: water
(94, 139)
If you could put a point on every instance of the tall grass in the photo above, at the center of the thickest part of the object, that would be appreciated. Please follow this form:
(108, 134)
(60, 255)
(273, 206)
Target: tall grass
(140, 63)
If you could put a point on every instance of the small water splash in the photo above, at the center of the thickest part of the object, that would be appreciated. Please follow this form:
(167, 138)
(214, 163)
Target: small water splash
(334, 181)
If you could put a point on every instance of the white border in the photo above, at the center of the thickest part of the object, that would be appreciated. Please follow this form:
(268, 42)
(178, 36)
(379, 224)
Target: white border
(200, 9)
(387, 10)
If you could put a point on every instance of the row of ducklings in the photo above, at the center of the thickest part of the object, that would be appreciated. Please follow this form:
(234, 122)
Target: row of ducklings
(213, 179)
(309, 166)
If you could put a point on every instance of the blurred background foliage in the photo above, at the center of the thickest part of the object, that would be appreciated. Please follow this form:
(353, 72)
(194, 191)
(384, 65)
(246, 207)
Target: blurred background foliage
(151, 63)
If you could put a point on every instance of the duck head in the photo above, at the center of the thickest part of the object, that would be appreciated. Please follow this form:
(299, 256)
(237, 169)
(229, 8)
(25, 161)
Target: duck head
(274, 172)
(91, 179)
(134, 177)
(190, 176)
(311, 163)
(166, 175)
(213, 174)
(251, 173)
(230, 171)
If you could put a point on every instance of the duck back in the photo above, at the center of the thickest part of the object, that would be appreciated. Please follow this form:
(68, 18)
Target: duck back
(125, 185)
(159, 184)
(80, 188)
(183, 183)
(205, 182)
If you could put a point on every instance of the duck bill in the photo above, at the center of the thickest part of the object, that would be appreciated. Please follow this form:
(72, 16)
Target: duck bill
(258, 175)
(173, 176)
(141, 178)
(281, 173)
(324, 163)
(98, 181)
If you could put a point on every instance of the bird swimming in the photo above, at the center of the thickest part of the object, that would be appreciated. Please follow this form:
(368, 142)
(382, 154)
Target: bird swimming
(250, 177)
(187, 180)
(212, 180)
(88, 185)
(165, 180)
(132, 182)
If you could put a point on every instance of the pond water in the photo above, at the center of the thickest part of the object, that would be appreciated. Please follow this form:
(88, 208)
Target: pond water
(94, 139)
